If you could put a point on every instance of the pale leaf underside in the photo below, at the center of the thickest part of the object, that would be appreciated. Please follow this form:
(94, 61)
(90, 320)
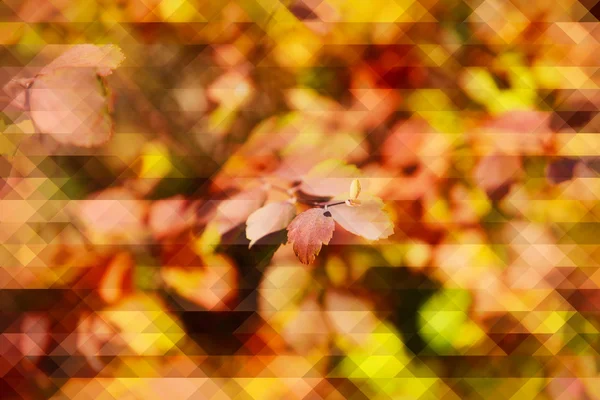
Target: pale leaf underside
(368, 220)
(268, 219)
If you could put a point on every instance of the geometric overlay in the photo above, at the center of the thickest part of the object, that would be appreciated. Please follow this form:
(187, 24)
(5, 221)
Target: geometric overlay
(299, 199)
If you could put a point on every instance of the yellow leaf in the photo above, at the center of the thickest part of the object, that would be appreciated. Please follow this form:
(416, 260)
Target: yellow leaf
(144, 324)
(354, 189)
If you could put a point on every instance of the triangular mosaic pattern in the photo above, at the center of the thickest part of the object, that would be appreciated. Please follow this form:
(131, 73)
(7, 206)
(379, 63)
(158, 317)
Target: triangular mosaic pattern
(300, 199)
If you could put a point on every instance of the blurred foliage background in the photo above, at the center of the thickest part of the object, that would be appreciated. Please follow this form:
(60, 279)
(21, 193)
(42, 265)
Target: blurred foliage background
(125, 271)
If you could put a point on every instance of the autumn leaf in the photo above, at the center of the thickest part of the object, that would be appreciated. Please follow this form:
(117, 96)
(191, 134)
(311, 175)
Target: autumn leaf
(355, 189)
(104, 59)
(307, 328)
(561, 170)
(170, 217)
(231, 90)
(211, 287)
(117, 277)
(144, 323)
(282, 288)
(497, 170)
(268, 219)
(68, 98)
(35, 336)
(236, 210)
(113, 214)
(516, 133)
(309, 231)
(368, 219)
(351, 317)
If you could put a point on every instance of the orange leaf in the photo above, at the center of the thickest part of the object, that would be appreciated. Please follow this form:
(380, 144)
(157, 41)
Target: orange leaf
(212, 286)
(115, 278)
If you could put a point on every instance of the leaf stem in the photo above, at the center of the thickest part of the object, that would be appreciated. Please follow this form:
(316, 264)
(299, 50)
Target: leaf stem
(333, 204)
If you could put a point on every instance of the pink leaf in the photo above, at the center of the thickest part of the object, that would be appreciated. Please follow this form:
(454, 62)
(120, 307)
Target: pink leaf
(268, 219)
(236, 210)
(16, 90)
(350, 316)
(308, 232)
(497, 170)
(517, 133)
(368, 219)
(169, 217)
(68, 99)
(307, 329)
(70, 105)
(35, 335)
(114, 212)
(103, 58)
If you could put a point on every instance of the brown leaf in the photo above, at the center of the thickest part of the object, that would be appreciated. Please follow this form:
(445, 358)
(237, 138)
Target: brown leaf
(308, 232)
(268, 219)
(368, 219)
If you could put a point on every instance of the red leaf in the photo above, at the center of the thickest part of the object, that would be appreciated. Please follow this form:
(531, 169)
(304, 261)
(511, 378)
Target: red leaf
(308, 232)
